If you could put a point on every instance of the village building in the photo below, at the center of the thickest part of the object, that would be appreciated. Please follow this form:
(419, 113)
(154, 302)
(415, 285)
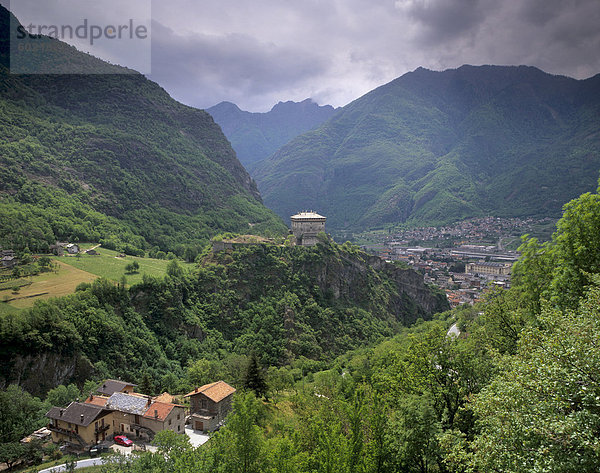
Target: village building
(306, 226)
(80, 424)
(9, 261)
(141, 416)
(111, 386)
(72, 248)
(495, 269)
(209, 405)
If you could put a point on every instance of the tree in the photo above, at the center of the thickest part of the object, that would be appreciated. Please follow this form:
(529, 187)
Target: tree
(412, 436)
(255, 378)
(146, 384)
(132, 267)
(11, 452)
(239, 445)
(174, 269)
(540, 413)
(62, 395)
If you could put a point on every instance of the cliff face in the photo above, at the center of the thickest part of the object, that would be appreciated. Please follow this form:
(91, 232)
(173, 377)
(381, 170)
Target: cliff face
(340, 276)
(38, 373)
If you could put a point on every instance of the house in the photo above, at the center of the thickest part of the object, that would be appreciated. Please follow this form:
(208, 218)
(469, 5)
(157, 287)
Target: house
(72, 248)
(80, 425)
(138, 415)
(165, 416)
(111, 386)
(128, 412)
(9, 261)
(210, 404)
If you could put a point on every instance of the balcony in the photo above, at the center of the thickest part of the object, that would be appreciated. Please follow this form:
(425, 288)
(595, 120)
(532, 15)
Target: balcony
(68, 433)
(101, 428)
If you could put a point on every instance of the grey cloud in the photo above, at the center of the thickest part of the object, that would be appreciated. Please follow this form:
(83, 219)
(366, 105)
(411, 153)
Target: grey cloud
(232, 66)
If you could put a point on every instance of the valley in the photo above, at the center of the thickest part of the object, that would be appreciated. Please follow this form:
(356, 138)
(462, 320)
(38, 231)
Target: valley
(433, 305)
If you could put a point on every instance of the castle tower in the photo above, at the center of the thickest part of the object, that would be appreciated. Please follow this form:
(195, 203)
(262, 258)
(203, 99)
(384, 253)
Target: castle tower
(306, 226)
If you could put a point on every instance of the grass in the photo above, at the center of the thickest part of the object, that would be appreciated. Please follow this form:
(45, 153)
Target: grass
(72, 271)
(108, 265)
(57, 283)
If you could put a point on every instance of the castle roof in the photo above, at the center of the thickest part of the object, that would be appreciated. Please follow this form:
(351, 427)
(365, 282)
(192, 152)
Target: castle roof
(309, 215)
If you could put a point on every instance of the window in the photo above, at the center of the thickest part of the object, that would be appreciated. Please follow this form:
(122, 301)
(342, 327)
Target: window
(178, 416)
(179, 428)
(169, 421)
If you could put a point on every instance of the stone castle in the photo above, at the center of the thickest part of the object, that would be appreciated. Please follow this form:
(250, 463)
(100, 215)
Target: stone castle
(306, 226)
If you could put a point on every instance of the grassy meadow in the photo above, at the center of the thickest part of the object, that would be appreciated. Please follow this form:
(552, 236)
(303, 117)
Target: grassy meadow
(70, 271)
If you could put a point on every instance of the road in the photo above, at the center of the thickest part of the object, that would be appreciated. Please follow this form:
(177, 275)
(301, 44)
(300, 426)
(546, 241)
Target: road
(453, 331)
(80, 464)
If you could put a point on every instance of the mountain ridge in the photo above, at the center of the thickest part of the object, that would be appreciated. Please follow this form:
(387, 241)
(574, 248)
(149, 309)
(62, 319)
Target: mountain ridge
(435, 147)
(255, 135)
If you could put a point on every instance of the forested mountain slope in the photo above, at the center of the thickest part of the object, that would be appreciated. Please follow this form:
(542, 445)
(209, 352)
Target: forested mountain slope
(113, 157)
(435, 147)
(255, 136)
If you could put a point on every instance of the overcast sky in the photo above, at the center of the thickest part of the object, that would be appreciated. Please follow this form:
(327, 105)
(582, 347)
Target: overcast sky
(258, 52)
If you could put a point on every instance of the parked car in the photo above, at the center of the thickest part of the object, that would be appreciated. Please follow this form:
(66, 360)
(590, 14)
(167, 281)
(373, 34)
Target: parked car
(96, 450)
(123, 440)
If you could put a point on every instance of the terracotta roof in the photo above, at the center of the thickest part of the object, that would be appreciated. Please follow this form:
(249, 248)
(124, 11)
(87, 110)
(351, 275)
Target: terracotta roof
(77, 413)
(111, 386)
(165, 397)
(159, 410)
(214, 391)
(97, 400)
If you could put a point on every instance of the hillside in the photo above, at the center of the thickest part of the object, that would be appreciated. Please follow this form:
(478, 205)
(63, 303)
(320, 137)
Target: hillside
(436, 147)
(284, 303)
(113, 158)
(255, 136)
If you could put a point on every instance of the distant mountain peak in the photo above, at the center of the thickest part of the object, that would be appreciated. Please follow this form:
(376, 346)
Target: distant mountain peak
(255, 136)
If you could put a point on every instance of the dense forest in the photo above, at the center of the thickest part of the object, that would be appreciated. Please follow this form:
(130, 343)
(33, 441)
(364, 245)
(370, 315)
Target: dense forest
(290, 305)
(516, 391)
(112, 158)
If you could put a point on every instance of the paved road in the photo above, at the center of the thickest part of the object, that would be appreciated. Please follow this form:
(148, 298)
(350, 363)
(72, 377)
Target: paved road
(79, 464)
(453, 331)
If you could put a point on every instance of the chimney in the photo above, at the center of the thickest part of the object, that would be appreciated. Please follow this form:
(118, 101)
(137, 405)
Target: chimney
(196, 389)
(149, 401)
(91, 396)
(156, 413)
(81, 417)
(61, 412)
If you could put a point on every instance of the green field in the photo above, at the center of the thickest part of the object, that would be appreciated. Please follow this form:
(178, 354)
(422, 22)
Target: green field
(109, 265)
(72, 271)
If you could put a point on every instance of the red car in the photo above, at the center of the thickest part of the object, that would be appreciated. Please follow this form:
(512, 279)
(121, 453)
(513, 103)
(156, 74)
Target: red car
(122, 440)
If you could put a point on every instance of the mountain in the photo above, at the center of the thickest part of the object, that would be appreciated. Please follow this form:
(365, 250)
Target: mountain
(113, 158)
(435, 147)
(255, 136)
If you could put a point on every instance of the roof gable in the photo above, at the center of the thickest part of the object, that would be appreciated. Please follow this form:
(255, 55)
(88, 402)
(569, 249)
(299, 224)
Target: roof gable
(160, 410)
(78, 413)
(111, 386)
(216, 391)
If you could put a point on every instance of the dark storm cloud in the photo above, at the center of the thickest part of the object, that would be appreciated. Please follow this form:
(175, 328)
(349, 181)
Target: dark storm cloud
(447, 19)
(205, 68)
(258, 52)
